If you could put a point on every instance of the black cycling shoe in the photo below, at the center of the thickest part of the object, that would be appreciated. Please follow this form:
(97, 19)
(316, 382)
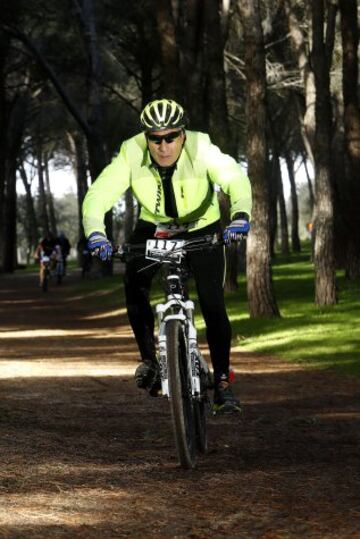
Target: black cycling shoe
(224, 400)
(147, 376)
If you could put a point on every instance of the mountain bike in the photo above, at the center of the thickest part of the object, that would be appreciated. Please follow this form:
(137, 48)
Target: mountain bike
(185, 375)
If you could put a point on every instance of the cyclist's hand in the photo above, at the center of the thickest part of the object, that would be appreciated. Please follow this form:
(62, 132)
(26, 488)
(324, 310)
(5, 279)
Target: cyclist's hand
(99, 245)
(238, 228)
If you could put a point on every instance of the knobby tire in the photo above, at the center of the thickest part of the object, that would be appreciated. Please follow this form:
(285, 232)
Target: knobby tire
(181, 403)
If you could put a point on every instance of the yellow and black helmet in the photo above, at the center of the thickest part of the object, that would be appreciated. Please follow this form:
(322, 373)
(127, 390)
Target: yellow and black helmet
(162, 114)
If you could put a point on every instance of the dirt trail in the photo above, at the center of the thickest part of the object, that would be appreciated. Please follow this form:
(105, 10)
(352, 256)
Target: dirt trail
(85, 454)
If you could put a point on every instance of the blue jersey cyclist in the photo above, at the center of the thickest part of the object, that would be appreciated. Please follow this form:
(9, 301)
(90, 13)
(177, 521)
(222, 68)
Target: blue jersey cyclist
(172, 172)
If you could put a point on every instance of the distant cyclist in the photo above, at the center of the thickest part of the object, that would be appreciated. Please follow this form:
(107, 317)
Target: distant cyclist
(48, 247)
(172, 172)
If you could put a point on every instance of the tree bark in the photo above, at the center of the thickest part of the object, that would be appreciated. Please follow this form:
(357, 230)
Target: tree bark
(273, 195)
(4, 46)
(259, 284)
(308, 78)
(284, 233)
(190, 38)
(339, 176)
(9, 257)
(33, 234)
(169, 49)
(295, 239)
(49, 197)
(77, 147)
(310, 185)
(215, 86)
(14, 133)
(324, 241)
(350, 41)
(44, 217)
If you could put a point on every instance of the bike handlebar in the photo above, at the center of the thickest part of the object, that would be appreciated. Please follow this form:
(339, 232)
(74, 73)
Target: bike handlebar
(125, 251)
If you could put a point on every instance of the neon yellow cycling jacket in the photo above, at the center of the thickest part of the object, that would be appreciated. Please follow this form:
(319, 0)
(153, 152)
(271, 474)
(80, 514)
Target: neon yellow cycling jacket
(201, 165)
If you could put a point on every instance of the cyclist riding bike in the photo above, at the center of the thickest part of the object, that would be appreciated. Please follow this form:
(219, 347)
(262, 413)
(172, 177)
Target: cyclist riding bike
(172, 172)
(47, 247)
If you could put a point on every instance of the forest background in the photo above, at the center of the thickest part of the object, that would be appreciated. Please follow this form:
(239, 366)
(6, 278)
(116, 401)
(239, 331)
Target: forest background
(275, 84)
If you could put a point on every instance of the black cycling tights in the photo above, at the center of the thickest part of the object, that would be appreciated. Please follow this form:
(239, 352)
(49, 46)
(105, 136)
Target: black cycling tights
(208, 270)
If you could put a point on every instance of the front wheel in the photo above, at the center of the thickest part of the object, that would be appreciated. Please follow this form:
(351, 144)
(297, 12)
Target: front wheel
(181, 402)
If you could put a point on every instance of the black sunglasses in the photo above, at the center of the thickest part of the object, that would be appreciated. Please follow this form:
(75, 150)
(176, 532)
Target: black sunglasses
(170, 137)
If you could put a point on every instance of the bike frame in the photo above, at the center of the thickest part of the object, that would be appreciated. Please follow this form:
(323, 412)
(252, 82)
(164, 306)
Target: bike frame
(165, 313)
(177, 307)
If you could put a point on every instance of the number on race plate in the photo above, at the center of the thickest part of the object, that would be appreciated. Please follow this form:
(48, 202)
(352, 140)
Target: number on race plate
(160, 249)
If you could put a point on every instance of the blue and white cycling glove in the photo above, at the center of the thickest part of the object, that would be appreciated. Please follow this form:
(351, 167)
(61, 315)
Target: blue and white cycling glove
(238, 227)
(99, 245)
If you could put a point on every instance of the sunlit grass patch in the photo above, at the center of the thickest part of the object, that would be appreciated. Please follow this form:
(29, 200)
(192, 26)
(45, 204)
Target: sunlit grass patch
(327, 338)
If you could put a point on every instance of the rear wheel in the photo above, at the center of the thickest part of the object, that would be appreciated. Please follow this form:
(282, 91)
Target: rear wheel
(181, 402)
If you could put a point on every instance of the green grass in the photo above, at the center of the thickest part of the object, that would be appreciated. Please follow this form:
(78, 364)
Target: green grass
(322, 338)
(326, 339)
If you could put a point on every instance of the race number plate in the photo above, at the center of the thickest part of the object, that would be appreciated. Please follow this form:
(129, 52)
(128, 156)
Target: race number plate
(164, 250)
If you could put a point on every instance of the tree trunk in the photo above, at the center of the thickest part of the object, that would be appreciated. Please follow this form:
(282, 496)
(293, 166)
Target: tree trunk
(307, 74)
(324, 243)
(77, 147)
(33, 235)
(44, 218)
(284, 233)
(260, 290)
(190, 39)
(4, 46)
(9, 260)
(215, 85)
(350, 41)
(49, 197)
(14, 134)
(169, 49)
(273, 194)
(310, 185)
(295, 239)
(339, 178)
